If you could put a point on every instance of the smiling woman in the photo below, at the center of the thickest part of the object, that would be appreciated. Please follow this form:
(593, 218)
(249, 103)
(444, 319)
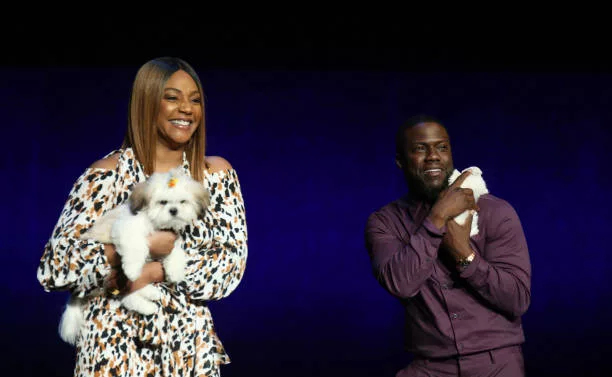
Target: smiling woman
(165, 131)
(167, 94)
(180, 111)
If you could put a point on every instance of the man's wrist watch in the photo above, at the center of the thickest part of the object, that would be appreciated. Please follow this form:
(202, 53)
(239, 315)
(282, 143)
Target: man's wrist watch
(464, 262)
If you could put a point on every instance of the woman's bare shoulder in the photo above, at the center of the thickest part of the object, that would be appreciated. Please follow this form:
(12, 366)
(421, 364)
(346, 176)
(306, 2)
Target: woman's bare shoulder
(217, 163)
(107, 163)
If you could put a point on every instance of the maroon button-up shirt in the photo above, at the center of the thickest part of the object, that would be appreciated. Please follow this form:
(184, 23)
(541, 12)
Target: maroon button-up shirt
(452, 311)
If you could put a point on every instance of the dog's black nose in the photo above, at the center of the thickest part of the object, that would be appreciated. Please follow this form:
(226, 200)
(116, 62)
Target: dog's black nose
(173, 211)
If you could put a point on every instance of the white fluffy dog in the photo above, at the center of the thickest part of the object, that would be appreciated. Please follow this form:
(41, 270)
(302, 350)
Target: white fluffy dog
(475, 182)
(165, 201)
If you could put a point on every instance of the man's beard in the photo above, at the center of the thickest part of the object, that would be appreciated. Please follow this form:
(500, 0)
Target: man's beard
(429, 194)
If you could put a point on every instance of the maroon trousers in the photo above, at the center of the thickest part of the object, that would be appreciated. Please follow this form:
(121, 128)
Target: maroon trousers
(503, 362)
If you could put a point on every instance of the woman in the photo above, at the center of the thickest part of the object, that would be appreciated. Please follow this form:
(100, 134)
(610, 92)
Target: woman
(166, 129)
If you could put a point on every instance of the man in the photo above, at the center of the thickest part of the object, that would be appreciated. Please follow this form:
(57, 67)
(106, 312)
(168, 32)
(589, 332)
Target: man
(463, 297)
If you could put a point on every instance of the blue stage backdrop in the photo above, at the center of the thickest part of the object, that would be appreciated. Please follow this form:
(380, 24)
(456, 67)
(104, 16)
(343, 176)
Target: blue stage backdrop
(315, 155)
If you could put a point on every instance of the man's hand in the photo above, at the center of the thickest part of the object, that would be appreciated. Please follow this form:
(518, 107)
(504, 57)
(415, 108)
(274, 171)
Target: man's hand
(457, 238)
(452, 201)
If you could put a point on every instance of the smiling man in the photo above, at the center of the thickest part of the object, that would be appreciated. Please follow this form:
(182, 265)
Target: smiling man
(463, 297)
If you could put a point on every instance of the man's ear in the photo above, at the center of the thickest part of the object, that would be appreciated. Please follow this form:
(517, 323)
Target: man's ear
(398, 162)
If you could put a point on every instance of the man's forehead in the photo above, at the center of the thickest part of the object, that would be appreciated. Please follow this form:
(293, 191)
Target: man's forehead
(427, 132)
(427, 141)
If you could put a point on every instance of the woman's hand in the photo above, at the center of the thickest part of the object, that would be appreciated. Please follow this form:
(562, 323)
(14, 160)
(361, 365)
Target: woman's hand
(161, 243)
(118, 284)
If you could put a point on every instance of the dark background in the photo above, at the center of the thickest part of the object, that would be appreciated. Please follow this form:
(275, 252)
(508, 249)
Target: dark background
(306, 109)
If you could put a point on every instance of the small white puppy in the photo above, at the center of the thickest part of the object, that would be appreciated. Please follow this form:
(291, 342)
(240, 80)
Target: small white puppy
(475, 182)
(165, 201)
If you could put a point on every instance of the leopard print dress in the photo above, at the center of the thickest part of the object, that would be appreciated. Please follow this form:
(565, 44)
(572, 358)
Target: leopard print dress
(179, 339)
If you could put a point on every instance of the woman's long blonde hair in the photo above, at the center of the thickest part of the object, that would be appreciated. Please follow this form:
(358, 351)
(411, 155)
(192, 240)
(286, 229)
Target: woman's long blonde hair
(142, 132)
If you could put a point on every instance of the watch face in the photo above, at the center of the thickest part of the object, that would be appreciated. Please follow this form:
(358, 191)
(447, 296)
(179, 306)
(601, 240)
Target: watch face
(466, 261)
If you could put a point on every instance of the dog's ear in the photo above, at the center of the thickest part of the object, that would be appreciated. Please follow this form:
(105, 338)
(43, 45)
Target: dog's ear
(202, 197)
(139, 198)
(474, 171)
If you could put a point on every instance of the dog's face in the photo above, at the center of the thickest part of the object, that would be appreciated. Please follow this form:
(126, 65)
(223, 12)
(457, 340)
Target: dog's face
(171, 200)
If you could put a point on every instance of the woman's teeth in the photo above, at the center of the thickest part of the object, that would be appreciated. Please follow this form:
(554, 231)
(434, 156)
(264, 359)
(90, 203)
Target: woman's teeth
(181, 123)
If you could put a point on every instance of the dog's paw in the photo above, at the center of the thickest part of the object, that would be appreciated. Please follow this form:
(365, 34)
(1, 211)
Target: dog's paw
(132, 270)
(462, 217)
(137, 303)
(150, 292)
(474, 230)
(174, 266)
(174, 273)
(146, 308)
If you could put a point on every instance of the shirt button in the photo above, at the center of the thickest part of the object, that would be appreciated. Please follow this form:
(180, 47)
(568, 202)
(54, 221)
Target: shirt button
(444, 286)
(454, 316)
